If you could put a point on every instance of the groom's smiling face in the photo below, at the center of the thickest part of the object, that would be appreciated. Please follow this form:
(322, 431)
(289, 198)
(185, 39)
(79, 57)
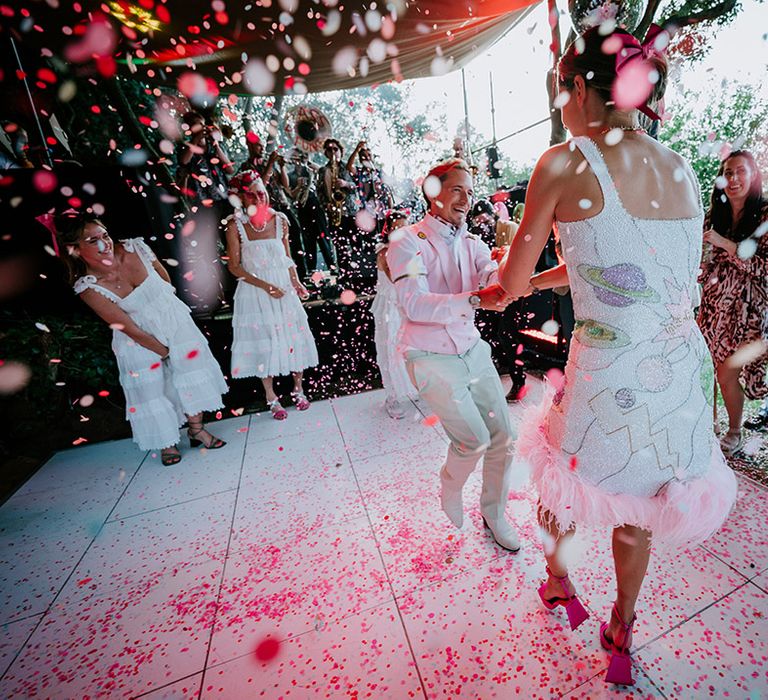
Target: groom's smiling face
(455, 198)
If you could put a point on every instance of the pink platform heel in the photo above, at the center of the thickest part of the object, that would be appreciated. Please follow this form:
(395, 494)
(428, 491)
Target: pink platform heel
(620, 668)
(573, 607)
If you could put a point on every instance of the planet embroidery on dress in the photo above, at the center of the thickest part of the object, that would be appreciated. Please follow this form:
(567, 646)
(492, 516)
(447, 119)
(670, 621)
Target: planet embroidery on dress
(619, 285)
(625, 398)
(654, 373)
(595, 334)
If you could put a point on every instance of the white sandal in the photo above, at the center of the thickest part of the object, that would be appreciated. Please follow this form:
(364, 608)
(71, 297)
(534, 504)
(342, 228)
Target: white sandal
(278, 412)
(731, 443)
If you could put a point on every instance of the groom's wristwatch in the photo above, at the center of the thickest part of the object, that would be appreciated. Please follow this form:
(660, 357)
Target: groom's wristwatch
(474, 300)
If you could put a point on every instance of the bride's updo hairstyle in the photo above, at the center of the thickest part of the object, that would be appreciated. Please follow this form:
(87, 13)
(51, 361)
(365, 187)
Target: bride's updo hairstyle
(600, 60)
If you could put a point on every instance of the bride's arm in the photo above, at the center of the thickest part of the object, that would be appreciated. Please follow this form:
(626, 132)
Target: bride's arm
(549, 279)
(540, 201)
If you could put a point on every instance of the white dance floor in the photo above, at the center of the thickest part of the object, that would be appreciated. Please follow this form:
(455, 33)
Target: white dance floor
(310, 559)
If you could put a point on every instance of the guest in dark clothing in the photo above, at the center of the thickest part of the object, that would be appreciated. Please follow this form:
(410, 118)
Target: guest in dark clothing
(314, 222)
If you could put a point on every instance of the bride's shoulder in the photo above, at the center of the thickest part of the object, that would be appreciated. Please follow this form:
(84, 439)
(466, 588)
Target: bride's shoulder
(556, 162)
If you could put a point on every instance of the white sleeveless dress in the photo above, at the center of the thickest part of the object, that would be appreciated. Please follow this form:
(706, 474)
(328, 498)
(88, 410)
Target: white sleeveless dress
(387, 323)
(159, 394)
(628, 437)
(271, 337)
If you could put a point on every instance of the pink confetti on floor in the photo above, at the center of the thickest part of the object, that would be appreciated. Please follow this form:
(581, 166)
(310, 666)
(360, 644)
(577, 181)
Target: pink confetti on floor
(310, 558)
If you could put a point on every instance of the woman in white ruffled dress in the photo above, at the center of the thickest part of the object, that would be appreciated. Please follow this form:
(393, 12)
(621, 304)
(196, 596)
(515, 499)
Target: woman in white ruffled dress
(167, 371)
(387, 323)
(270, 327)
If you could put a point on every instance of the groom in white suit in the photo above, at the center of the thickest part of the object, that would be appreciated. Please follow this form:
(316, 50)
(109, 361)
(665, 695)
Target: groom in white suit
(442, 274)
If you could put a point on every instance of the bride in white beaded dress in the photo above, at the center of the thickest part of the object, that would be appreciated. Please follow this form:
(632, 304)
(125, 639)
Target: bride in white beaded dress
(625, 441)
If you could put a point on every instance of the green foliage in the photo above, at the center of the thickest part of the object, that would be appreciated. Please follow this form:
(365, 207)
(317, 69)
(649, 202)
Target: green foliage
(378, 115)
(76, 350)
(694, 41)
(705, 126)
(99, 137)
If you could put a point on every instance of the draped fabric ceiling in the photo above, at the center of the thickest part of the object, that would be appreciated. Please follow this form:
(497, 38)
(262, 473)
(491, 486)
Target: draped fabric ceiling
(268, 46)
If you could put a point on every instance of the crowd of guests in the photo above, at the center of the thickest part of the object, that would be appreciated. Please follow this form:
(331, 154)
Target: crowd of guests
(336, 208)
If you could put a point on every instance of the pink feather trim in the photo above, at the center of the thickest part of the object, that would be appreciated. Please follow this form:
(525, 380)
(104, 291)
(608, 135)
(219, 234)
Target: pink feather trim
(685, 513)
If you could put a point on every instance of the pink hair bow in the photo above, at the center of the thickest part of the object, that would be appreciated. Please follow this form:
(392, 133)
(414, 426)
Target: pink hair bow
(47, 221)
(654, 44)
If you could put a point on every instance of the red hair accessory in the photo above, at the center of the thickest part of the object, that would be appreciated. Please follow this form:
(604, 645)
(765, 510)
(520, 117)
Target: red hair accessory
(243, 181)
(629, 48)
(47, 220)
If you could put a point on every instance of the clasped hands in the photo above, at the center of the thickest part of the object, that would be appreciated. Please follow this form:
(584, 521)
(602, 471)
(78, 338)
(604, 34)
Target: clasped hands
(496, 298)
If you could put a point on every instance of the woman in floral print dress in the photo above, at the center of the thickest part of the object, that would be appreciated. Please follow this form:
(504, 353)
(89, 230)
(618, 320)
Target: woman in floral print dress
(734, 280)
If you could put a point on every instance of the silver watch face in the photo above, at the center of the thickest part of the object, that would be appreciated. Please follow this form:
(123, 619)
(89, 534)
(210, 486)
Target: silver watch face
(474, 300)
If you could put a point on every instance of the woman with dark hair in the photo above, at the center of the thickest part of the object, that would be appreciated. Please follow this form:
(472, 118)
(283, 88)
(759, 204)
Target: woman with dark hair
(624, 440)
(166, 369)
(734, 279)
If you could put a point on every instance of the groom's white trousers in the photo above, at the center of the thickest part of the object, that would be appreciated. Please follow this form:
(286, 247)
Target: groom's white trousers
(465, 393)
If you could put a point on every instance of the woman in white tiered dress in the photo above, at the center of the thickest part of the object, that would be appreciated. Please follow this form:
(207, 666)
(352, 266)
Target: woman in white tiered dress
(167, 371)
(387, 323)
(270, 327)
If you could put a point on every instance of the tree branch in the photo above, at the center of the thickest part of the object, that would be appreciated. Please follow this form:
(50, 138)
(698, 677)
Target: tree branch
(647, 20)
(556, 129)
(711, 13)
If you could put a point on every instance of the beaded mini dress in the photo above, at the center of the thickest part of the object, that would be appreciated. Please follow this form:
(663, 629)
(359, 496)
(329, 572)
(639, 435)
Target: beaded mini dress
(627, 437)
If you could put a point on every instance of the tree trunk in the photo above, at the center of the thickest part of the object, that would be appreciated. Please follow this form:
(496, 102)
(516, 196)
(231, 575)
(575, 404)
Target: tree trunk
(273, 130)
(556, 128)
(247, 110)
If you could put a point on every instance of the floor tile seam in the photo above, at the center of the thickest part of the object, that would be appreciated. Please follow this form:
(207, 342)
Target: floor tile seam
(291, 637)
(224, 565)
(106, 592)
(381, 557)
(21, 619)
(168, 505)
(685, 621)
(73, 569)
(726, 563)
(752, 482)
(462, 570)
(359, 459)
(637, 666)
(72, 485)
(764, 589)
(268, 420)
(170, 683)
(279, 541)
(25, 642)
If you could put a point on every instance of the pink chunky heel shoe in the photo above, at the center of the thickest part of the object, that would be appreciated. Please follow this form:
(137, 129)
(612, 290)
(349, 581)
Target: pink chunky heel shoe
(620, 668)
(577, 613)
